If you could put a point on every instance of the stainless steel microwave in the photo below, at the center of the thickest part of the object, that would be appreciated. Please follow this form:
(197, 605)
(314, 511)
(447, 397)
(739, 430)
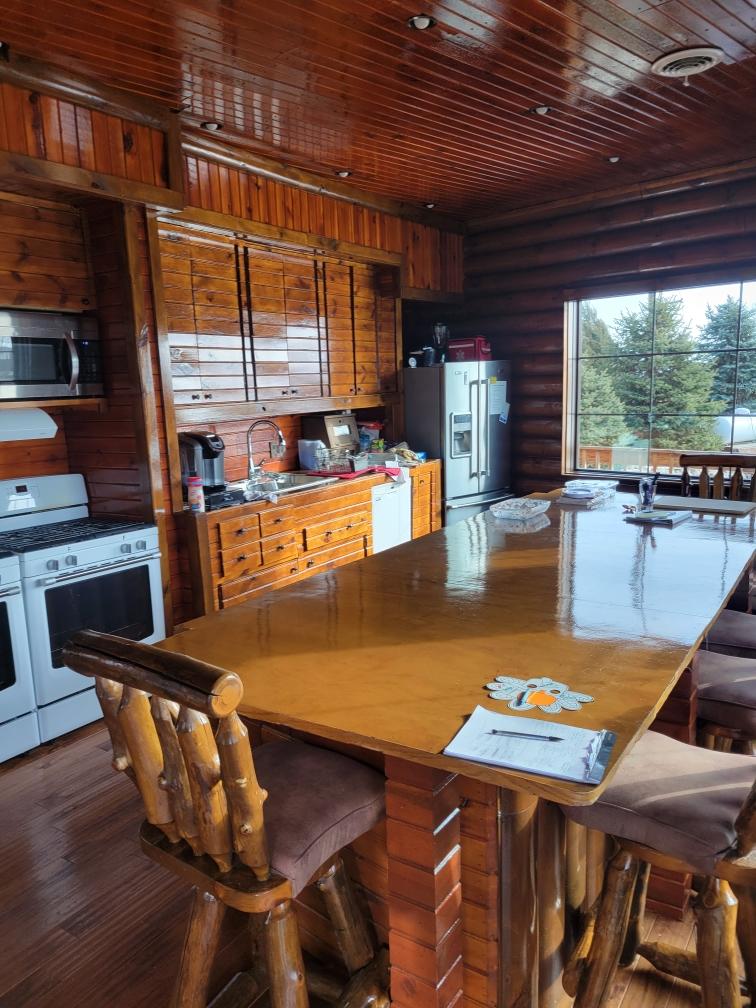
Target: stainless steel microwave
(49, 355)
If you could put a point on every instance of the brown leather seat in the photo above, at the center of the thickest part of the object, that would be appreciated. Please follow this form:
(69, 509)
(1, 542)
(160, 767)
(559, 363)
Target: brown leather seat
(733, 633)
(727, 691)
(675, 798)
(318, 802)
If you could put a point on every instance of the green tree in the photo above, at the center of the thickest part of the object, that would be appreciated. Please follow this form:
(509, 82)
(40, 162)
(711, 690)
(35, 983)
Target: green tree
(719, 334)
(681, 383)
(595, 337)
(601, 421)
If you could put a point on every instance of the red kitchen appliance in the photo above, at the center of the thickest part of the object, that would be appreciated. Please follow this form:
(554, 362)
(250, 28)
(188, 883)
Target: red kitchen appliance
(477, 348)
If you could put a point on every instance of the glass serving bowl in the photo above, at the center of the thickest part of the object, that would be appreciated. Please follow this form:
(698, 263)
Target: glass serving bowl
(519, 508)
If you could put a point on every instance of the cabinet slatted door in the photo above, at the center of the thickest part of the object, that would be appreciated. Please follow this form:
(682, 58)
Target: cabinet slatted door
(389, 351)
(284, 324)
(364, 308)
(205, 322)
(340, 327)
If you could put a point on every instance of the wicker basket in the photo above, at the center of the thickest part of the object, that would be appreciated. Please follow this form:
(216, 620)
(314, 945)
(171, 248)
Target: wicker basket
(333, 460)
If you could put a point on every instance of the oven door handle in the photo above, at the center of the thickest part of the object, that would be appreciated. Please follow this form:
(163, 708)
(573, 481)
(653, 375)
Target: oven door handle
(7, 592)
(75, 363)
(81, 572)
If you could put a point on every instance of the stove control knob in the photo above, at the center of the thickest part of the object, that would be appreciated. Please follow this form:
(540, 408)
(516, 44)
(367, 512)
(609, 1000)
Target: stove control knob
(53, 565)
(125, 547)
(71, 560)
(141, 544)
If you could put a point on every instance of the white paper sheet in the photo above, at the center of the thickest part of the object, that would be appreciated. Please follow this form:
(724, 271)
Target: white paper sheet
(571, 758)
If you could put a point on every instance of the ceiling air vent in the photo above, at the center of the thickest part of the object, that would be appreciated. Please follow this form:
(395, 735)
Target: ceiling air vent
(687, 62)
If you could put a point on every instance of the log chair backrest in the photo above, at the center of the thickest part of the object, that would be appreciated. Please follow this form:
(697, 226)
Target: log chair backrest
(711, 482)
(195, 784)
(745, 825)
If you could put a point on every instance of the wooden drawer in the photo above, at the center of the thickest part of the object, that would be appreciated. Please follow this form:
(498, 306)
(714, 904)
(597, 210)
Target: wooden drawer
(277, 548)
(231, 591)
(245, 559)
(234, 532)
(334, 556)
(277, 520)
(337, 529)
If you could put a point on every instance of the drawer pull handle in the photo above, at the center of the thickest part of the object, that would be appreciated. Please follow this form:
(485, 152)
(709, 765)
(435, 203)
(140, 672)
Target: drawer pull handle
(310, 563)
(277, 521)
(328, 534)
(280, 547)
(241, 558)
(293, 570)
(240, 531)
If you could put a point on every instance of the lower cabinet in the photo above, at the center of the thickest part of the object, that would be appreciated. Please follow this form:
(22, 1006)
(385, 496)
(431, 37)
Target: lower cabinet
(237, 552)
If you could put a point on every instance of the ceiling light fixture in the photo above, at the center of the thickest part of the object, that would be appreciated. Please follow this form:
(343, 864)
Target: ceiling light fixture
(344, 173)
(613, 159)
(212, 126)
(429, 206)
(541, 109)
(420, 22)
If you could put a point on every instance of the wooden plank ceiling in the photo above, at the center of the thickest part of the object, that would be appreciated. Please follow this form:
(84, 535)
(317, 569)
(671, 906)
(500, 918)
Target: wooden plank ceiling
(438, 116)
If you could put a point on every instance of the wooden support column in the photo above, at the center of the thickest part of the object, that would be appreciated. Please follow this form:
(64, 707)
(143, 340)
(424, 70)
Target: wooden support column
(518, 977)
(551, 881)
(424, 886)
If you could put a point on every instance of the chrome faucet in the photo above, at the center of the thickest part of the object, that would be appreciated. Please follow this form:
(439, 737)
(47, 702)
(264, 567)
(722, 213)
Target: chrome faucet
(276, 451)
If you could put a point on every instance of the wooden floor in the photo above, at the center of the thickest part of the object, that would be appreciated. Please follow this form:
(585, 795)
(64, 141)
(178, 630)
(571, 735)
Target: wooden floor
(86, 920)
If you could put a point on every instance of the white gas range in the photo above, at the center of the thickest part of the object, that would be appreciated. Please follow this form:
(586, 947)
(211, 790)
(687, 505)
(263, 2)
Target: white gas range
(76, 572)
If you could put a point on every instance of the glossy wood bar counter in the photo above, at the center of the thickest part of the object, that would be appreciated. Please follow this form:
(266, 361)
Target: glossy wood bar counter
(391, 654)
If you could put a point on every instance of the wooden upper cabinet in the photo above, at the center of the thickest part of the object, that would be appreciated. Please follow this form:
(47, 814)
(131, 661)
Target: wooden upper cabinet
(286, 356)
(204, 317)
(253, 323)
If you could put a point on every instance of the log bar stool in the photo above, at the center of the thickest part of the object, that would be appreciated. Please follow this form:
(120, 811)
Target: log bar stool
(205, 822)
(684, 809)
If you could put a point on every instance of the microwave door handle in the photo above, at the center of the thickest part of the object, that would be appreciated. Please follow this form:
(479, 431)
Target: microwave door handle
(75, 363)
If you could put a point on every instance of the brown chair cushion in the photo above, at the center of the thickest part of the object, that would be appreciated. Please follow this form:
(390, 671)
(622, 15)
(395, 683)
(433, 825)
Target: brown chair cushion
(733, 633)
(676, 798)
(727, 691)
(318, 802)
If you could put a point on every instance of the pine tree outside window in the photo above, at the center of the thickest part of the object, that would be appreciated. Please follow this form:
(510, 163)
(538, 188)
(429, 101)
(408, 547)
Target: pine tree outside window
(653, 375)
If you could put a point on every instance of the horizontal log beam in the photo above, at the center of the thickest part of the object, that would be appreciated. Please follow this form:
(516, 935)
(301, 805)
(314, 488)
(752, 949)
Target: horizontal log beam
(21, 169)
(559, 227)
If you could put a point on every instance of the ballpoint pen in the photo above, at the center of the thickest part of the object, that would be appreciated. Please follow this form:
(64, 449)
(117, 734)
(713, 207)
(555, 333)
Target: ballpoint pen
(530, 735)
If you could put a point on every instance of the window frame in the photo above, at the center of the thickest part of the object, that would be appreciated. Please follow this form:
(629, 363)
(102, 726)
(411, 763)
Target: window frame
(571, 359)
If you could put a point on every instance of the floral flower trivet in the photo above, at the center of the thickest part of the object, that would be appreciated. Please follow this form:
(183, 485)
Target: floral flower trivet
(546, 694)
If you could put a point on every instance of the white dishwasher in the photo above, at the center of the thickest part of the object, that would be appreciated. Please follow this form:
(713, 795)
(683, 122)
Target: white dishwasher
(392, 515)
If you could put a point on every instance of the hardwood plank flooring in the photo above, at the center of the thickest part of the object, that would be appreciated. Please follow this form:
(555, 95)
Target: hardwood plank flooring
(87, 920)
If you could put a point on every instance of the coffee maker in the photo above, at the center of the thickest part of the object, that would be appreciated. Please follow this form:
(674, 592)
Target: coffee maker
(202, 455)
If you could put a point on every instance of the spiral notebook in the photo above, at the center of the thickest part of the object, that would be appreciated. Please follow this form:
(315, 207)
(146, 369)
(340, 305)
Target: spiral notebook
(533, 745)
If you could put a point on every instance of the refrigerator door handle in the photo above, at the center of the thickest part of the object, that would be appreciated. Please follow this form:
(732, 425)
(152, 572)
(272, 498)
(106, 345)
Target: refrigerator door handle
(475, 434)
(483, 426)
(485, 503)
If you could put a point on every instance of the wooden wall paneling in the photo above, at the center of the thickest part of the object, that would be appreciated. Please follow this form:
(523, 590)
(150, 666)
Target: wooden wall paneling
(36, 458)
(519, 278)
(337, 284)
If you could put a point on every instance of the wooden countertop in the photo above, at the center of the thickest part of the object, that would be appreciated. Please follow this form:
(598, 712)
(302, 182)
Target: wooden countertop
(391, 653)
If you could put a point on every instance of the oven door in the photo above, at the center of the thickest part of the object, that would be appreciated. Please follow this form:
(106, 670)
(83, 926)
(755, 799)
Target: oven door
(16, 693)
(123, 598)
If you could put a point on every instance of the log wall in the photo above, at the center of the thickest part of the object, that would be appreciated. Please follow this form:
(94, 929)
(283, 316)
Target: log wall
(522, 267)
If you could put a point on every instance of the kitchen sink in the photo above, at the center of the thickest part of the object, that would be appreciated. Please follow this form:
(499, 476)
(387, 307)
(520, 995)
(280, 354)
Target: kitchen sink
(289, 482)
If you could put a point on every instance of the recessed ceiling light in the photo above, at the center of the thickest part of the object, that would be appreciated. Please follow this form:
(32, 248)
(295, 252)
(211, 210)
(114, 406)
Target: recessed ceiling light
(613, 159)
(344, 173)
(541, 109)
(212, 126)
(429, 206)
(421, 21)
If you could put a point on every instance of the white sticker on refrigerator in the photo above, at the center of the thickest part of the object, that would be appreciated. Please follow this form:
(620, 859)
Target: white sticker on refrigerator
(497, 397)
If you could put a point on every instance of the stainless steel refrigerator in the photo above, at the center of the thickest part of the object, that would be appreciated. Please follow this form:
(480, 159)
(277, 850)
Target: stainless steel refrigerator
(459, 412)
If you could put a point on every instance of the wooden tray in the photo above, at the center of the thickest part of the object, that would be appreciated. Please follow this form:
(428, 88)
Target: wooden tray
(697, 505)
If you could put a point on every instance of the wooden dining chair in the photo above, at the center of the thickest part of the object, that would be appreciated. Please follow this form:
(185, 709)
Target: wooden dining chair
(712, 482)
(726, 701)
(683, 809)
(248, 833)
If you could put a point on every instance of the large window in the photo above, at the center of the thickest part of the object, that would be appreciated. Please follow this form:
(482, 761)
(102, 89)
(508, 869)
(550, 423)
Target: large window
(653, 375)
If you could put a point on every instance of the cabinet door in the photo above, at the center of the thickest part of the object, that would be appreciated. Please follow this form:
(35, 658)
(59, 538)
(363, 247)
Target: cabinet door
(387, 324)
(205, 323)
(364, 308)
(283, 310)
(337, 297)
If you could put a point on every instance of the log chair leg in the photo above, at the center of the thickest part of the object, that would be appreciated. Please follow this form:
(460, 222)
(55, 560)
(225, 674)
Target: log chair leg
(747, 935)
(716, 912)
(347, 918)
(722, 743)
(637, 912)
(611, 924)
(283, 954)
(200, 944)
